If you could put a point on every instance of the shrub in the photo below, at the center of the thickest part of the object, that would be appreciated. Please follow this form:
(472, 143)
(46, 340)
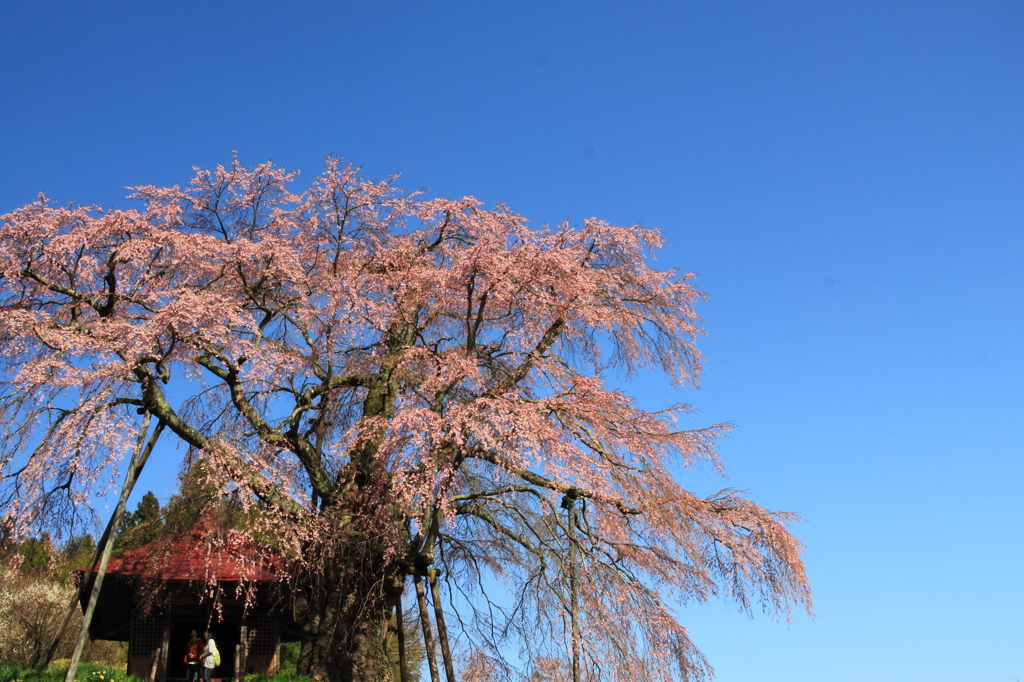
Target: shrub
(30, 611)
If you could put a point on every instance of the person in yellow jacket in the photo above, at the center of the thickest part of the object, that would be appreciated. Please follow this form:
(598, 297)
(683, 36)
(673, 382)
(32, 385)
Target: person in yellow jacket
(211, 656)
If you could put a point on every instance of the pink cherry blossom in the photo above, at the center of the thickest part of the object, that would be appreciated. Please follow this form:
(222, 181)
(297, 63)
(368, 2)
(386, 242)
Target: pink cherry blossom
(388, 384)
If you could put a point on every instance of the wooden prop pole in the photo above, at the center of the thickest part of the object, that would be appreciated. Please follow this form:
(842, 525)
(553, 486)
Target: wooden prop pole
(84, 586)
(428, 639)
(403, 662)
(442, 630)
(139, 457)
(569, 503)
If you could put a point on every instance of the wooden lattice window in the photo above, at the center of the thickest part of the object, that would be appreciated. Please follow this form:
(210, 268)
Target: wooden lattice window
(147, 634)
(262, 635)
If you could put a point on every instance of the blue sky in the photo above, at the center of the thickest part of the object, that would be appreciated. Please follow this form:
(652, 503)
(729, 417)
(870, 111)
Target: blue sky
(845, 178)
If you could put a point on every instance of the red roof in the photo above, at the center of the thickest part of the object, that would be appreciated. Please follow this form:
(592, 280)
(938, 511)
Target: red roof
(193, 557)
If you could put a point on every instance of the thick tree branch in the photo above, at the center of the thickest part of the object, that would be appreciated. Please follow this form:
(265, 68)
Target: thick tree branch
(300, 446)
(544, 482)
(520, 372)
(156, 402)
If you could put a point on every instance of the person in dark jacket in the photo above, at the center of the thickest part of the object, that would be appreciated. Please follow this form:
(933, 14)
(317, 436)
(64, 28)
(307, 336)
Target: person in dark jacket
(194, 657)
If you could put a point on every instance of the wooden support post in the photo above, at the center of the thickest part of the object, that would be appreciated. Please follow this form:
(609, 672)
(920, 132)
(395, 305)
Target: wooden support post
(275, 665)
(165, 646)
(243, 651)
(442, 631)
(154, 665)
(403, 662)
(139, 457)
(84, 587)
(428, 639)
(569, 504)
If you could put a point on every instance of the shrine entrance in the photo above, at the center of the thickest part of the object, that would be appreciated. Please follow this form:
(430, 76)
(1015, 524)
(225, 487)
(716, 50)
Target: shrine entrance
(157, 626)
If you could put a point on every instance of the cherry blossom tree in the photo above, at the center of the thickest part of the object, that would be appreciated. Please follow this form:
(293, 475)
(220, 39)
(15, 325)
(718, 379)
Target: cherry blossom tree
(392, 386)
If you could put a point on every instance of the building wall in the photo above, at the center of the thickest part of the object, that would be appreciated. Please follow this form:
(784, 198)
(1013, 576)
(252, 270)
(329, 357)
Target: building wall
(262, 645)
(251, 645)
(144, 642)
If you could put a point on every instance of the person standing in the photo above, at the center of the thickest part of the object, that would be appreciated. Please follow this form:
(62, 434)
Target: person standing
(193, 657)
(210, 656)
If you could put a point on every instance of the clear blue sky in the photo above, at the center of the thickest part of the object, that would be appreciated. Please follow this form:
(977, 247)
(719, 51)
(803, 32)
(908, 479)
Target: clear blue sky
(845, 178)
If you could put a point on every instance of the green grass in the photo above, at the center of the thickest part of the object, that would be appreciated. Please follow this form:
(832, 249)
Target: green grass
(96, 672)
(87, 672)
(280, 677)
(9, 673)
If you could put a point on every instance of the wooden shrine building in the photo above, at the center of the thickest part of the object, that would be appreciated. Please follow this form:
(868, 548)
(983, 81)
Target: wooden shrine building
(153, 597)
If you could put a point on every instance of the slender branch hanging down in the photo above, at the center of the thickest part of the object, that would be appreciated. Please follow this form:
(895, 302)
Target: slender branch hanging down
(387, 385)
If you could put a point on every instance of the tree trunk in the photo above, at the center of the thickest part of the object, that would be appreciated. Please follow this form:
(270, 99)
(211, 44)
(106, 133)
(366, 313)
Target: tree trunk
(346, 632)
(348, 599)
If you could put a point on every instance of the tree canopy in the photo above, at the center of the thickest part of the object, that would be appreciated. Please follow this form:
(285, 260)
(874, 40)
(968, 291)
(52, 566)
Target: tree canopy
(394, 384)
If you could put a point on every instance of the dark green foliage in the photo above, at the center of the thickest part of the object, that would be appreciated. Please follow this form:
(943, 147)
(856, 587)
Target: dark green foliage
(40, 558)
(201, 503)
(197, 497)
(76, 553)
(80, 545)
(288, 658)
(142, 526)
(36, 555)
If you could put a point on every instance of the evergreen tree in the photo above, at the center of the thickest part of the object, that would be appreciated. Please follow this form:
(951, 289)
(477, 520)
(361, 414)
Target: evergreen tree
(142, 526)
(36, 555)
(76, 554)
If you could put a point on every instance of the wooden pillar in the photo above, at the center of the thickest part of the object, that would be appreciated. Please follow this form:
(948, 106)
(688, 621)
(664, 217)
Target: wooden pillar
(275, 662)
(442, 630)
(403, 662)
(164, 646)
(154, 665)
(569, 504)
(104, 549)
(428, 639)
(242, 651)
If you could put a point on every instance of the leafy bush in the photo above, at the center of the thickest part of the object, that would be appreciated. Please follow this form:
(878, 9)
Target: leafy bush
(14, 673)
(30, 610)
(288, 658)
(9, 673)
